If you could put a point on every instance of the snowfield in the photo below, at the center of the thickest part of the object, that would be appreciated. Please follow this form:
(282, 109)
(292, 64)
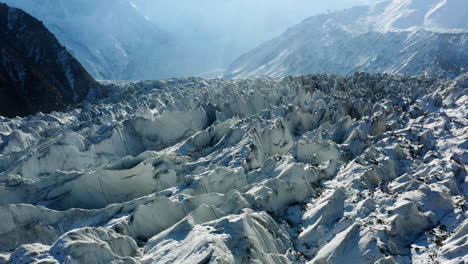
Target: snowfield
(369, 168)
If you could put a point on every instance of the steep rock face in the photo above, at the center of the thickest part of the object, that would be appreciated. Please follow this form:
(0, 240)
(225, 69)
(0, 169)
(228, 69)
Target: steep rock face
(399, 36)
(110, 38)
(36, 71)
(369, 168)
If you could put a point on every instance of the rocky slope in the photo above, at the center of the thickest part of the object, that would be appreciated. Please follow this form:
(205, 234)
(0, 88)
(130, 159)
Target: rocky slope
(36, 71)
(316, 169)
(110, 38)
(399, 36)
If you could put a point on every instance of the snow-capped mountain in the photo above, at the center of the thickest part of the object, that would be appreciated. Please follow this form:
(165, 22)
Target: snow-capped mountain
(369, 168)
(408, 15)
(36, 71)
(399, 36)
(110, 37)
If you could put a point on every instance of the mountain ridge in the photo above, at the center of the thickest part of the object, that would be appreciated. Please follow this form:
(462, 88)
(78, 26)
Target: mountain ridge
(347, 41)
(112, 43)
(36, 73)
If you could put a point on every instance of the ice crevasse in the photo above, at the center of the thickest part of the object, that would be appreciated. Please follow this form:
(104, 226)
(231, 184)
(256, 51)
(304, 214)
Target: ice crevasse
(369, 168)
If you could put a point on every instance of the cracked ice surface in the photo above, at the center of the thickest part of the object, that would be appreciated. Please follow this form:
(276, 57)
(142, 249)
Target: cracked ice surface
(316, 169)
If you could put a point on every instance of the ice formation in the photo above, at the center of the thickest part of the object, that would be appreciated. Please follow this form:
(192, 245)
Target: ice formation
(369, 168)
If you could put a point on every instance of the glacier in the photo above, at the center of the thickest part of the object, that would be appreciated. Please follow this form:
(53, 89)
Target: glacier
(367, 168)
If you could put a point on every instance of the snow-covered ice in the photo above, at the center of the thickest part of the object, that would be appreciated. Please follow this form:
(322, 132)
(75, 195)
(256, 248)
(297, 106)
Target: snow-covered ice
(369, 168)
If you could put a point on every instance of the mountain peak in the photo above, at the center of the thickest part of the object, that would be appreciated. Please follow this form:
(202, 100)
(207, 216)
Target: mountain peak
(431, 15)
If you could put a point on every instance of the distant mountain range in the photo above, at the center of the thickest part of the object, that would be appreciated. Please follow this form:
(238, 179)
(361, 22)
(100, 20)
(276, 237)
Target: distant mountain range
(36, 71)
(115, 40)
(400, 36)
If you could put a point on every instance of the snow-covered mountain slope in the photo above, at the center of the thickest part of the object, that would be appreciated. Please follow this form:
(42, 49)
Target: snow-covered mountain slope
(317, 169)
(406, 15)
(36, 72)
(399, 36)
(433, 15)
(110, 38)
(211, 34)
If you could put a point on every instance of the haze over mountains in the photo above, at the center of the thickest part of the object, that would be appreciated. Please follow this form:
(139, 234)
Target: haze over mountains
(160, 39)
(212, 33)
(401, 36)
(146, 39)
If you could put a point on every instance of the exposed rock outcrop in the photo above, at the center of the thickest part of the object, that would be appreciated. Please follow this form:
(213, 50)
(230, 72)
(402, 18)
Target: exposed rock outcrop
(36, 71)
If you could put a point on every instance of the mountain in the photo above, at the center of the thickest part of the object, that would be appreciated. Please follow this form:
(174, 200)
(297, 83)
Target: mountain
(211, 34)
(431, 15)
(400, 36)
(36, 71)
(157, 39)
(111, 38)
(369, 168)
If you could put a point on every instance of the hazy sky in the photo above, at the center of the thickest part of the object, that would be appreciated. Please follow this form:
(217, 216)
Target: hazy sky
(224, 29)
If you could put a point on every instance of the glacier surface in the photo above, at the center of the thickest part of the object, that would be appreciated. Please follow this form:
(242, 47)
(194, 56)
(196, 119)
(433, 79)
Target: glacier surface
(369, 168)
